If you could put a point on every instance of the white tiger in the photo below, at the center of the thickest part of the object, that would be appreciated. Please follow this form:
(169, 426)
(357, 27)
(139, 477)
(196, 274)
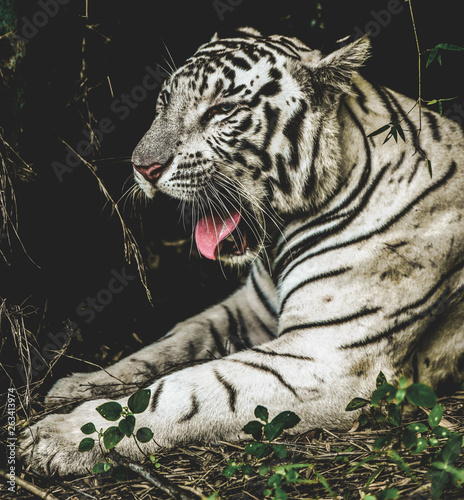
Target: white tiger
(355, 251)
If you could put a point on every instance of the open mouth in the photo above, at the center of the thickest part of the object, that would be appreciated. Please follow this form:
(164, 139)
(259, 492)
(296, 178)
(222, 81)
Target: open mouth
(219, 236)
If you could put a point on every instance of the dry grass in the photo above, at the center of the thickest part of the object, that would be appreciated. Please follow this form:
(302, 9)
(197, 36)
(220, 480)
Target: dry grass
(197, 469)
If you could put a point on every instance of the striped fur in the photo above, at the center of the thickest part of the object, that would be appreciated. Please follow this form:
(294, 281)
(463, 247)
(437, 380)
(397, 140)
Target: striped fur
(356, 264)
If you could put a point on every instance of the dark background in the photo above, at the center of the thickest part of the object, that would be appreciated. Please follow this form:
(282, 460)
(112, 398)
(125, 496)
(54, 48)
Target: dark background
(70, 241)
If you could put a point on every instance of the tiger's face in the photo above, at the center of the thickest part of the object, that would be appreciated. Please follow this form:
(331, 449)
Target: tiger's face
(233, 137)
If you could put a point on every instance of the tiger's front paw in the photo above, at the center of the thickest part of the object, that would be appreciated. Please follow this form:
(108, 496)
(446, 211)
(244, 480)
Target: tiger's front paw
(51, 446)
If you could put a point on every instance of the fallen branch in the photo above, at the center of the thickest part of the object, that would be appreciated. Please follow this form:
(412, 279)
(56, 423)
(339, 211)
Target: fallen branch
(154, 478)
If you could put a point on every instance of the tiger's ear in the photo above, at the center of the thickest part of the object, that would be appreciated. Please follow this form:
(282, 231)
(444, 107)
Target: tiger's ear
(334, 72)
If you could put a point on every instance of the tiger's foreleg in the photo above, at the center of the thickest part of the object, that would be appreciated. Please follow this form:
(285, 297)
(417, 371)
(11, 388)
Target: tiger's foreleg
(245, 319)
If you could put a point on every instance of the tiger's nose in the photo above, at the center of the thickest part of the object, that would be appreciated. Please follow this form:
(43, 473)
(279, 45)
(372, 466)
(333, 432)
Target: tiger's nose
(153, 171)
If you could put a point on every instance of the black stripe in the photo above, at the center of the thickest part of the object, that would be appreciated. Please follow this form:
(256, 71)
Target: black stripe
(269, 371)
(386, 334)
(433, 124)
(269, 89)
(332, 322)
(312, 279)
(240, 62)
(233, 330)
(262, 297)
(293, 131)
(449, 174)
(312, 177)
(353, 195)
(315, 238)
(194, 409)
(283, 183)
(360, 98)
(264, 327)
(231, 390)
(217, 339)
(233, 90)
(156, 395)
(282, 354)
(243, 330)
(458, 267)
(272, 116)
(415, 169)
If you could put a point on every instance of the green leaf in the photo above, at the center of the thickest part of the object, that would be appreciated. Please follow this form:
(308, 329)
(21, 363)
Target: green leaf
(441, 432)
(439, 480)
(230, 470)
(259, 450)
(254, 428)
(382, 441)
(379, 130)
(262, 413)
(388, 493)
(101, 467)
(402, 382)
(409, 438)
(86, 444)
(432, 55)
(324, 483)
(396, 459)
(247, 469)
(420, 446)
(279, 450)
(356, 403)
(284, 420)
(264, 469)
(429, 167)
(287, 418)
(127, 424)
(144, 434)
(362, 462)
(381, 379)
(383, 391)
(292, 476)
(400, 395)
(394, 415)
(434, 442)
(448, 46)
(110, 411)
(452, 449)
(139, 401)
(436, 415)
(279, 494)
(417, 427)
(274, 480)
(111, 437)
(421, 395)
(88, 428)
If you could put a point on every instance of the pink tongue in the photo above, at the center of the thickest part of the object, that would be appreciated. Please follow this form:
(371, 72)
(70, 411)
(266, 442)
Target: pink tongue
(210, 231)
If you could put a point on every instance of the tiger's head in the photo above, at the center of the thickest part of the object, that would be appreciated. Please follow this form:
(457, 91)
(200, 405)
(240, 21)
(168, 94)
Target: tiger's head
(245, 133)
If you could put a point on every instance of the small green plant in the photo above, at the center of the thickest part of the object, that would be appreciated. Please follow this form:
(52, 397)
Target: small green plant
(266, 452)
(113, 411)
(387, 404)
